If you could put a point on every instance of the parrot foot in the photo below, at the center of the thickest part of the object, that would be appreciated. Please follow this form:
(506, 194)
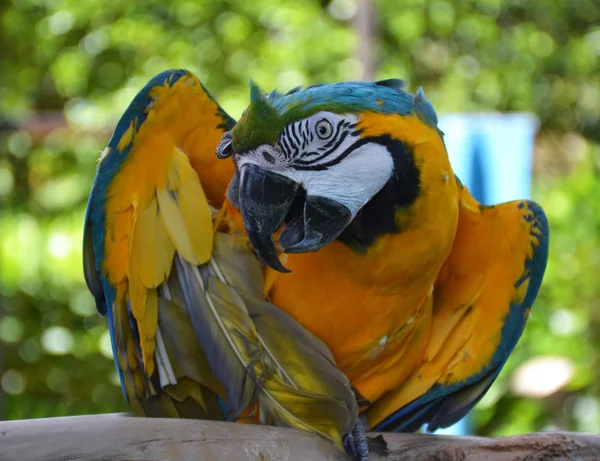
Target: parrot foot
(356, 443)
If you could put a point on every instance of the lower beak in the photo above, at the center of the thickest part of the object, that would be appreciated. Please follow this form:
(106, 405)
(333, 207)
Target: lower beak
(265, 200)
(323, 221)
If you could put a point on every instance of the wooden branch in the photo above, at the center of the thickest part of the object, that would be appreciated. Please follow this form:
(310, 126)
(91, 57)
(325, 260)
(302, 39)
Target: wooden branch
(117, 437)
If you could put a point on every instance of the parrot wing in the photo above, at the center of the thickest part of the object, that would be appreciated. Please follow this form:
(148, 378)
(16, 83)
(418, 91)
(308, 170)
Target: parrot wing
(147, 204)
(482, 300)
(191, 333)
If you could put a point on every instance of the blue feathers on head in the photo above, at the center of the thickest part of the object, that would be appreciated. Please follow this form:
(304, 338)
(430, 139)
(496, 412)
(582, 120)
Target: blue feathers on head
(386, 96)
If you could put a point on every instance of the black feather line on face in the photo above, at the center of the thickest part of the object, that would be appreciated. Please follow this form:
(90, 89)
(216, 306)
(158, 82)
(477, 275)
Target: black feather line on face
(300, 164)
(294, 133)
(297, 137)
(378, 216)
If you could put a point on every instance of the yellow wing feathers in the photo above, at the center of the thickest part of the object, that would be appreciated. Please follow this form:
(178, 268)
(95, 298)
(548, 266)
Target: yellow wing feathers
(193, 333)
(187, 215)
(189, 119)
(294, 380)
(176, 217)
(485, 277)
(155, 203)
(201, 329)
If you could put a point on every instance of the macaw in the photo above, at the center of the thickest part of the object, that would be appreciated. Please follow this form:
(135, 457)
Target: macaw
(316, 264)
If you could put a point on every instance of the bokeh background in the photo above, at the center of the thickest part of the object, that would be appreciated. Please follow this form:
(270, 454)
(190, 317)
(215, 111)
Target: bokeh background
(69, 68)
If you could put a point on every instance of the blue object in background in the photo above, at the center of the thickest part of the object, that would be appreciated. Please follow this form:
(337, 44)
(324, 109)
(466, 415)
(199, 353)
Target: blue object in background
(492, 154)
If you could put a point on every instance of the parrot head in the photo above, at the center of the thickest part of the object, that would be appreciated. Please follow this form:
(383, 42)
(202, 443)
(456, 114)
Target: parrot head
(302, 161)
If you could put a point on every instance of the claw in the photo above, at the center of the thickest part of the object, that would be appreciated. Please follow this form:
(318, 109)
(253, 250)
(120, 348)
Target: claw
(356, 443)
(349, 445)
(360, 442)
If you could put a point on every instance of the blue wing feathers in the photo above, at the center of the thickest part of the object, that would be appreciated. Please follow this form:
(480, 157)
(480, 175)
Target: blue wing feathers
(90, 267)
(95, 227)
(111, 163)
(454, 407)
(104, 293)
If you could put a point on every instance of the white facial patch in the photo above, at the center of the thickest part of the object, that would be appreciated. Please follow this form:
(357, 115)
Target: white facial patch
(352, 182)
(326, 155)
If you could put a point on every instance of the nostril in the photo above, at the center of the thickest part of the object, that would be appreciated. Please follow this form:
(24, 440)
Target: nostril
(268, 157)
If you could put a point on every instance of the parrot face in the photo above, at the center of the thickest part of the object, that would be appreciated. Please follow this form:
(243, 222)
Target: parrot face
(315, 178)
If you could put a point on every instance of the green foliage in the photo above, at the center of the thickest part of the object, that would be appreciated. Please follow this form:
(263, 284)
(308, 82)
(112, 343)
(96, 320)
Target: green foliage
(86, 60)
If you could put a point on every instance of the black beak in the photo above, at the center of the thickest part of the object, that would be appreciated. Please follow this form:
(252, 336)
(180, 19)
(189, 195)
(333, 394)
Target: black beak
(265, 199)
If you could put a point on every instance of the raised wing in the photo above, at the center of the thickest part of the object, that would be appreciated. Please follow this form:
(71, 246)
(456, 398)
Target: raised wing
(482, 300)
(192, 334)
(147, 203)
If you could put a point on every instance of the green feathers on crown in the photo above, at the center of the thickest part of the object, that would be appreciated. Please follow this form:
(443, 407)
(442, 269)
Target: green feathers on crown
(268, 115)
(260, 124)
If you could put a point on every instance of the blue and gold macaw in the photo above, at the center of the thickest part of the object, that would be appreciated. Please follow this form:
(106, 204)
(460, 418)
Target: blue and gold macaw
(316, 264)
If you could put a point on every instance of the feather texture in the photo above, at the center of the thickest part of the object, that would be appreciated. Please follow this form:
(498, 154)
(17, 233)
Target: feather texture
(419, 320)
(266, 360)
(191, 331)
(482, 302)
(92, 277)
(146, 202)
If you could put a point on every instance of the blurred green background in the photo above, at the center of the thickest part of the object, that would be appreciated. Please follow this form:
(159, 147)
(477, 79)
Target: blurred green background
(69, 68)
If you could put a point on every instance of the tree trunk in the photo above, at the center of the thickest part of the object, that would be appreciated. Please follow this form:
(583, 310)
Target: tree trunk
(364, 24)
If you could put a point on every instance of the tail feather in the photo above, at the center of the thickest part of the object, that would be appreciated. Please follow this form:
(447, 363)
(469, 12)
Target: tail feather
(224, 331)
(182, 384)
(439, 408)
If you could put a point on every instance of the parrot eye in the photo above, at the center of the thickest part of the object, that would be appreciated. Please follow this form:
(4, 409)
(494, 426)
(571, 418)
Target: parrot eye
(225, 149)
(324, 129)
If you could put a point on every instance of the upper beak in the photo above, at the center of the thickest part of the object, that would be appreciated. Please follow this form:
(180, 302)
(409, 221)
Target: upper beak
(265, 200)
